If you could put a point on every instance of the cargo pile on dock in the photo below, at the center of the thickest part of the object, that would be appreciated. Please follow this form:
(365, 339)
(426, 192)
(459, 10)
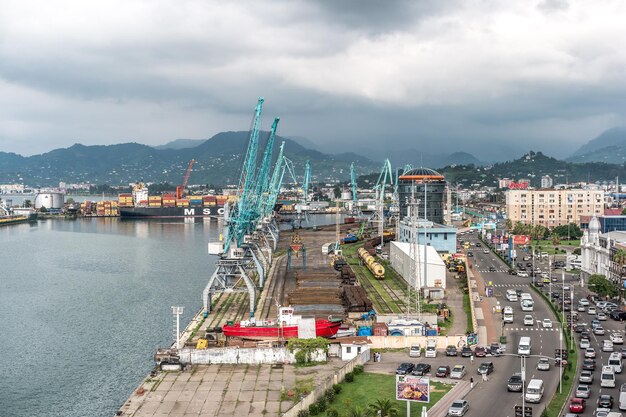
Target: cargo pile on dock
(318, 293)
(100, 209)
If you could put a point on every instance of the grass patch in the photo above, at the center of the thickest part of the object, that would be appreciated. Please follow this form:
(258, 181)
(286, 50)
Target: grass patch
(569, 376)
(369, 387)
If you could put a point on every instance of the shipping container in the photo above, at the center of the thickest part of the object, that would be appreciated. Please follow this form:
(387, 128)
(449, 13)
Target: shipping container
(380, 329)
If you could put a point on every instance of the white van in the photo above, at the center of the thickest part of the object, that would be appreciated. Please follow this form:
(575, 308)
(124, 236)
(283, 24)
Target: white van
(607, 378)
(615, 360)
(511, 295)
(534, 391)
(622, 397)
(524, 346)
(507, 315)
(431, 349)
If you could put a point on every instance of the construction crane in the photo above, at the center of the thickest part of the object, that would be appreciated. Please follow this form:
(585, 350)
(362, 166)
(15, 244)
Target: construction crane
(180, 189)
(385, 178)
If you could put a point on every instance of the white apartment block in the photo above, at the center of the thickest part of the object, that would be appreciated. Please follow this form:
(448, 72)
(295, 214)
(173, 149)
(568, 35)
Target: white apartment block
(546, 181)
(551, 208)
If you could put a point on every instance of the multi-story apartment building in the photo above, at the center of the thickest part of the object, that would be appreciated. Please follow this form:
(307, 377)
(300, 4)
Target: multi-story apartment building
(553, 207)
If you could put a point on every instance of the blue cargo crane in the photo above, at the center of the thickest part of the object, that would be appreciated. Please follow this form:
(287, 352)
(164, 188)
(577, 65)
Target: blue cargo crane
(305, 182)
(355, 200)
(245, 247)
(385, 178)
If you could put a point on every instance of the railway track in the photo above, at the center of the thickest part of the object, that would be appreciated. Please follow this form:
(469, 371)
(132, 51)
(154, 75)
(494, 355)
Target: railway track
(372, 292)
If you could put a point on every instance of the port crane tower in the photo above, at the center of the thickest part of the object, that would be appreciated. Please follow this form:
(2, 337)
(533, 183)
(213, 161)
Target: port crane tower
(303, 206)
(180, 189)
(244, 250)
(385, 179)
(355, 200)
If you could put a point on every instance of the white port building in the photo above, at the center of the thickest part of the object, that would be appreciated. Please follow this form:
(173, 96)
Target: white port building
(433, 282)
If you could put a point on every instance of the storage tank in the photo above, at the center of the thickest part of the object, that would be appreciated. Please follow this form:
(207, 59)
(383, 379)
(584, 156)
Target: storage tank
(346, 195)
(49, 200)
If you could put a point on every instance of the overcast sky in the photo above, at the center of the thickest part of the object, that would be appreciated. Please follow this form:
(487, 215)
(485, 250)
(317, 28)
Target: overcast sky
(489, 77)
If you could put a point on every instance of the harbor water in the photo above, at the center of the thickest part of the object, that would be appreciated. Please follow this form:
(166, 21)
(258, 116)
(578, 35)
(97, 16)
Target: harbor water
(85, 303)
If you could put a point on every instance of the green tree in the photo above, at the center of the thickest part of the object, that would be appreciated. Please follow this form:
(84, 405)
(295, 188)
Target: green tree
(337, 191)
(624, 211)
(508, 224)
(568, 230)
(602, 286)
(384, 407)
(28, 203)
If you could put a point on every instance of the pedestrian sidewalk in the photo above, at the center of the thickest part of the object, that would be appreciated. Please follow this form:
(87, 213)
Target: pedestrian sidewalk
(484, 309)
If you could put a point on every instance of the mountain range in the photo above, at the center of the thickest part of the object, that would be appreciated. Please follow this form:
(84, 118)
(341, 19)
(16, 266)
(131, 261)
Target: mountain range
(219, 159)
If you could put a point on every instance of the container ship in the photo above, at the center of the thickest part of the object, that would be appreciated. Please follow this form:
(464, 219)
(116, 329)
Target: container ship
(139, 204)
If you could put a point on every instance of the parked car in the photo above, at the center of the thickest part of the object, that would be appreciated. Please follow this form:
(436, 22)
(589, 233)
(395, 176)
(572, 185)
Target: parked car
(515, 383)
(458, 372)
(404, 368)
(443, 371)
(615, 315)
(415, 351)
(466, 352)
(543, 364)
(583, 391)
(577, 405)
(586, 377)
(458, 408)
(421, 369)
(451, 350)
(485, 368)
(480, 351)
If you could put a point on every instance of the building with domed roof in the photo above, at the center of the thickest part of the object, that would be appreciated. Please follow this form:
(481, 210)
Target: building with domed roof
(427, 185)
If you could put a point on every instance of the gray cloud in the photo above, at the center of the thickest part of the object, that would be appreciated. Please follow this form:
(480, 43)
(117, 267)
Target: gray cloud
(486, 77)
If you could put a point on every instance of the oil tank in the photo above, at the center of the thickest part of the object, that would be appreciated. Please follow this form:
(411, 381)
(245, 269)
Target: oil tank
(346, 195)
(49, 200)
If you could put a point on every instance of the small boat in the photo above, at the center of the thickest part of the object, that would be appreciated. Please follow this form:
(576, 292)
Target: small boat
(286, 327)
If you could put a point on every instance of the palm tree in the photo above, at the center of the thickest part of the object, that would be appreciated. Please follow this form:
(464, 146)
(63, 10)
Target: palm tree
(384, 407)
(357, 411)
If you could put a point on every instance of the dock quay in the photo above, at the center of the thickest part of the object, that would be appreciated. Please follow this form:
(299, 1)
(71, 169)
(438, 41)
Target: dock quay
(312, 287)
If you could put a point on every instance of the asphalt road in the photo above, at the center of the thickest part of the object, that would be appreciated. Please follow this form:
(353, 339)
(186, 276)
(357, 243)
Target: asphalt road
(492, 398)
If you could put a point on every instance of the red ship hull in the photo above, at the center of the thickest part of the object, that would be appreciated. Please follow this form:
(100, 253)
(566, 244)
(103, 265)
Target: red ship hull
(323, 328)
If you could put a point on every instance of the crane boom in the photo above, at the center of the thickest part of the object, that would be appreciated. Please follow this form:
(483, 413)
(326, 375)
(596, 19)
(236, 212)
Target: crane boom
(180, 189)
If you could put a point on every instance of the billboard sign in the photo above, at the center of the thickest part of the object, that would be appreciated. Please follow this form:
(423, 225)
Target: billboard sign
(521, 239)
(413, 388)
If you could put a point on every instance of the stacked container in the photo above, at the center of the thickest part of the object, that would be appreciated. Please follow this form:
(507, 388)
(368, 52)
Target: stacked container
(154, 201)
(125, 200)
(195, 201)
(169, 200)
(221, 200)
(380, 329)
(209, 200)
(182, 202)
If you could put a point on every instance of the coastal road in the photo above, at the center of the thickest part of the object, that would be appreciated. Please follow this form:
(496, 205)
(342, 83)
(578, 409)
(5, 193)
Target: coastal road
(492, 397)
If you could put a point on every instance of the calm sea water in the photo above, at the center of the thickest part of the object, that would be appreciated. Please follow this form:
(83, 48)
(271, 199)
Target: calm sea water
(84, 304)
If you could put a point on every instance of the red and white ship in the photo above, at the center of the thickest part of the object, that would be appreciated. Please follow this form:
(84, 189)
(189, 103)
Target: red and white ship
(286, 327)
